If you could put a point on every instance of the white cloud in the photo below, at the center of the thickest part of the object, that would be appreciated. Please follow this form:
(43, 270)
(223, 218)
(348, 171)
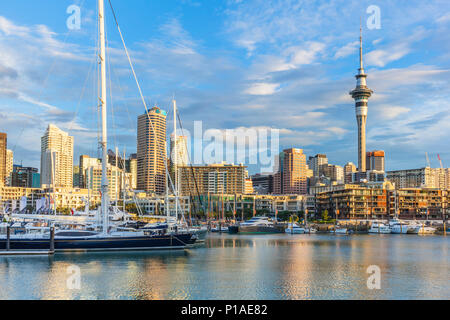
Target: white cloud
(381, 58)
(347, 50)
(263, 89)
(389, 112)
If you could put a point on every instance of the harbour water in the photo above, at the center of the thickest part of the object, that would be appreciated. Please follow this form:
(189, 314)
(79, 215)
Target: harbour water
(318, 266)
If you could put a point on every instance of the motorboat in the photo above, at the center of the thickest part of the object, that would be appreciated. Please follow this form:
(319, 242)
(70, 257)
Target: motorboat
(402, 227)
(295, 228)
(261, 225)
(379, 227)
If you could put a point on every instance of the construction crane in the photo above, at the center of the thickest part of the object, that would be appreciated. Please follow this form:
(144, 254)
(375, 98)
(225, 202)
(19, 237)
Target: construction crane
(440, 161)
(428, 160)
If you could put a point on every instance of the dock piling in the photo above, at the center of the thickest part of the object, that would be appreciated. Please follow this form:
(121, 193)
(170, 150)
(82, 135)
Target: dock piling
(52, 239)
(8, 237)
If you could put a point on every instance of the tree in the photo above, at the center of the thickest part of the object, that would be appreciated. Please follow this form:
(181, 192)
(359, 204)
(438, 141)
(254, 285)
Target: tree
(325, 216)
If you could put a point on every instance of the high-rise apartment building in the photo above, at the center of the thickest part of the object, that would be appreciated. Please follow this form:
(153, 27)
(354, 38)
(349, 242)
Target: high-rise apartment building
(420, 178)
(315, 162)
(294, 172)
(85, 163)
(24, 177)
(375, 160)
(56, 158)
(278, 176)
(262, 183)
(3, 146)
(181, 158)
(213, 178)
(9, 166)
(349, 170)
(333, 172)
(151, 151)
(131, 168)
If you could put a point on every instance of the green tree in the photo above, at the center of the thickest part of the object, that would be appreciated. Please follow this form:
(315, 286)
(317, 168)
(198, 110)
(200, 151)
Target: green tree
(325, 216)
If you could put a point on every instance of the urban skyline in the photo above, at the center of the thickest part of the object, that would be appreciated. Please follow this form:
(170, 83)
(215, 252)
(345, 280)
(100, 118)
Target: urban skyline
(397, 67)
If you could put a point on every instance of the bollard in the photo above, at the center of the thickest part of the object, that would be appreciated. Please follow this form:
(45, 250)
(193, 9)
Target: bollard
(52, 239)
(8, 238)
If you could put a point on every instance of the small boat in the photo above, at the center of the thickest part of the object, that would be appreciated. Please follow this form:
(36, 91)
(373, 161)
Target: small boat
(261, 225)
(219, 229)
(402, 227)
(310, 230)
(426, 230)
(295, 228)
(379, 227)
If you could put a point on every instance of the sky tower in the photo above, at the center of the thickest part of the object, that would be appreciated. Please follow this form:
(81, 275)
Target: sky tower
(361, 94)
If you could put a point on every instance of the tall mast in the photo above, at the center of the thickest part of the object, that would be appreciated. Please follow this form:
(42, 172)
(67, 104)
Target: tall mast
(104, 139)
(175, 160)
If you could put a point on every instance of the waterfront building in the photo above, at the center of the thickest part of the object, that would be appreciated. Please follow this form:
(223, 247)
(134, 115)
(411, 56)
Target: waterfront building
(212, 178)
(56, 158)
(420, 178)
(353, 201)
(294, 172)
(3, 148)
(315, 162)
(420, 203)
(375, 160)
(382, 201)
(349, 170)
(9, 166)
(262, 183)
(154, 205)
(10, 197)
(264, 204)
(361, 95)
(151, 151)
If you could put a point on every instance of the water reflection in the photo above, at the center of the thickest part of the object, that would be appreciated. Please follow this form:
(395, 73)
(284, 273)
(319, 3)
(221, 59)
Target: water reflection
(243, 267)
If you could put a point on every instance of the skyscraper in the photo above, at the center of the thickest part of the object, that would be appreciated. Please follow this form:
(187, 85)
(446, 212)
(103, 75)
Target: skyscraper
(151, 151)
(294, 172)
(361, 94)
(56, 158)
(315, 162)
(181, 158)
(375, 160)
(3, 145)
(9, 166)
(349, 169)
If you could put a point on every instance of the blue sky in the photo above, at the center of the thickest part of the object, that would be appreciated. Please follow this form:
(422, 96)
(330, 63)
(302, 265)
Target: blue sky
(233, 64)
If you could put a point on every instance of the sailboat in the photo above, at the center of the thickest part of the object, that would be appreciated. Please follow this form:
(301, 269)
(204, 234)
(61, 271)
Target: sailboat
(107, 238)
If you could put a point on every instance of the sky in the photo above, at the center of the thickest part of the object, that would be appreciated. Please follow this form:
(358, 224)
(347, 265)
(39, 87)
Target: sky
(286, 65)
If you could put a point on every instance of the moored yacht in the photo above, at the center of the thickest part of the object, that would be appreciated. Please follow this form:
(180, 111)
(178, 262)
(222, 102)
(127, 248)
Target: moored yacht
(379, 227)
(260, 225)
(295, 228)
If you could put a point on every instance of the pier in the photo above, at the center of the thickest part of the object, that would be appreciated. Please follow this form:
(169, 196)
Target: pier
(9, 252)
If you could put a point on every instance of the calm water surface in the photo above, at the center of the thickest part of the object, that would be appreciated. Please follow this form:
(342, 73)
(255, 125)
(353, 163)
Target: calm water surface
(244, 267)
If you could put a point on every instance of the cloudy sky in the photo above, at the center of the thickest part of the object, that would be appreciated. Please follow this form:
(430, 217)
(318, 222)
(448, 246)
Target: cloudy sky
(232, 64)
